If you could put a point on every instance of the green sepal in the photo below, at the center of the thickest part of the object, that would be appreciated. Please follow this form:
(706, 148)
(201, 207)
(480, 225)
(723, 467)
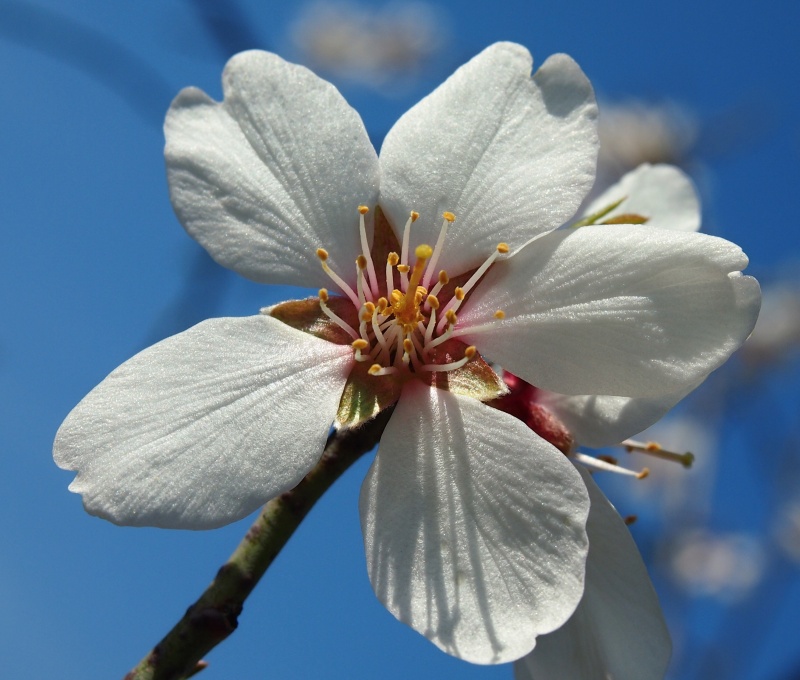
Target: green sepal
(365, 396)
(600, 214)
(475, 379)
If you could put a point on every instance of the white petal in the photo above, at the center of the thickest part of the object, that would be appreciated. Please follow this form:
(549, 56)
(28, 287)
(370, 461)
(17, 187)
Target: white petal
(473, 526)
(512, 156)
(204, 427)
(618, 630)
(619, 310)
(602, 420)
(662, 193)
(272, 173)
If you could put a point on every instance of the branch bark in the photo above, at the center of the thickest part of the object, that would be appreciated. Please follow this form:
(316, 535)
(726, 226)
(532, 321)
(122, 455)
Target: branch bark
(214, 616)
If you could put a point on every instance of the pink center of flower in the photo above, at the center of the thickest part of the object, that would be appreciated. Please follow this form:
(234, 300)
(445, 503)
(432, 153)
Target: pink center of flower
(400, 331)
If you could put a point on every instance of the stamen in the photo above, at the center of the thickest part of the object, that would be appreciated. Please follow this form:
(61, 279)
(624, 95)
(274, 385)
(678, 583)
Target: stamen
(654, 449)
(404, 252)
(499, 315)
(469, 353)
(322, 254)
(360, 345)
(605, 466)
(444, 279)
(361, 265)
(373, 277)
(455, 302)
(376, 328)
(323, 298)
(449, 218)
(377, 369)
(391, 261)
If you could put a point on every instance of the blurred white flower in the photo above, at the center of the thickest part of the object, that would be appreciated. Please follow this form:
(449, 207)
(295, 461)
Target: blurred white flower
(636, 132)
(777, 331)
(369, 45)
(725, 565)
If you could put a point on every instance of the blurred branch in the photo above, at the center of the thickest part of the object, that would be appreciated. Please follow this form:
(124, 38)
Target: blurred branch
(109, 62)
(214, 616)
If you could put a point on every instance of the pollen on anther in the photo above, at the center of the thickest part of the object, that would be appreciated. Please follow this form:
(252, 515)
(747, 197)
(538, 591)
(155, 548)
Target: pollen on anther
(360, 344)
(458, 293)
(502, 248)
(322, 254)
(403, 268)
(393, 258)
(470, 351)
(361, 261)
(375, 369)
(414, 215)
(444, 279)
(500, 314)
(451, 317)
(450, 217)
(408, 346)
(644, 473)
(433, 302)
(362, 209)
(323, 294)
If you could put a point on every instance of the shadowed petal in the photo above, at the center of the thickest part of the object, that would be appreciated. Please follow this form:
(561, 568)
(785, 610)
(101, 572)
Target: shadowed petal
(473, 526)
(511, 155)
(618, 630)
(204, 427)
(602, 420)
(618, 310)
(272, 173)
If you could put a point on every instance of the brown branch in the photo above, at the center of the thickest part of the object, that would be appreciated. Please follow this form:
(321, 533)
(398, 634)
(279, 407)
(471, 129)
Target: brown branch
(215, 614)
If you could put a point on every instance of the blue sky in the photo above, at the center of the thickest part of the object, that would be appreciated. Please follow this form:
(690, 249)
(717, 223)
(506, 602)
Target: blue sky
(95, 266)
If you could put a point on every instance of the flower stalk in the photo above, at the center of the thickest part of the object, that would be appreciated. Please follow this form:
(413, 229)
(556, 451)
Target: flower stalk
(214, 616)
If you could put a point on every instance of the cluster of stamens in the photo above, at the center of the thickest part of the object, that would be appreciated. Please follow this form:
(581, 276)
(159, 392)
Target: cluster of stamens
(401, 330)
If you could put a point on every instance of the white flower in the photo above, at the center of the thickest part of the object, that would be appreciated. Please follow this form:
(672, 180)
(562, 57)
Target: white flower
(474, 527)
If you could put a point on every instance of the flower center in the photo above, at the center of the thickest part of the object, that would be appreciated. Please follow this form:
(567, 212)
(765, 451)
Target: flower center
(400, 330)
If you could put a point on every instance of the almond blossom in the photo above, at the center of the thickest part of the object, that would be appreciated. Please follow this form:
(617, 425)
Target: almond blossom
(442, 251)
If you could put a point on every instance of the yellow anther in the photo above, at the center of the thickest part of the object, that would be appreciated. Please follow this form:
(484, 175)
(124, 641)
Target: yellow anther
(403, 268)
(644, 473)
(322, 254)
(323, 294)
(362, 209)
(500, 314)
(369, 308)
(393, 259)
(502, 248)
(414, 215)
(444, 279)
(470, 351)
(451, 317)
(374, 369)
(423, 251)
(450, 217)
(408, 346)
(458, 293)
(433, 302)
(383, 303)
(361, 261)
(360, 344)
